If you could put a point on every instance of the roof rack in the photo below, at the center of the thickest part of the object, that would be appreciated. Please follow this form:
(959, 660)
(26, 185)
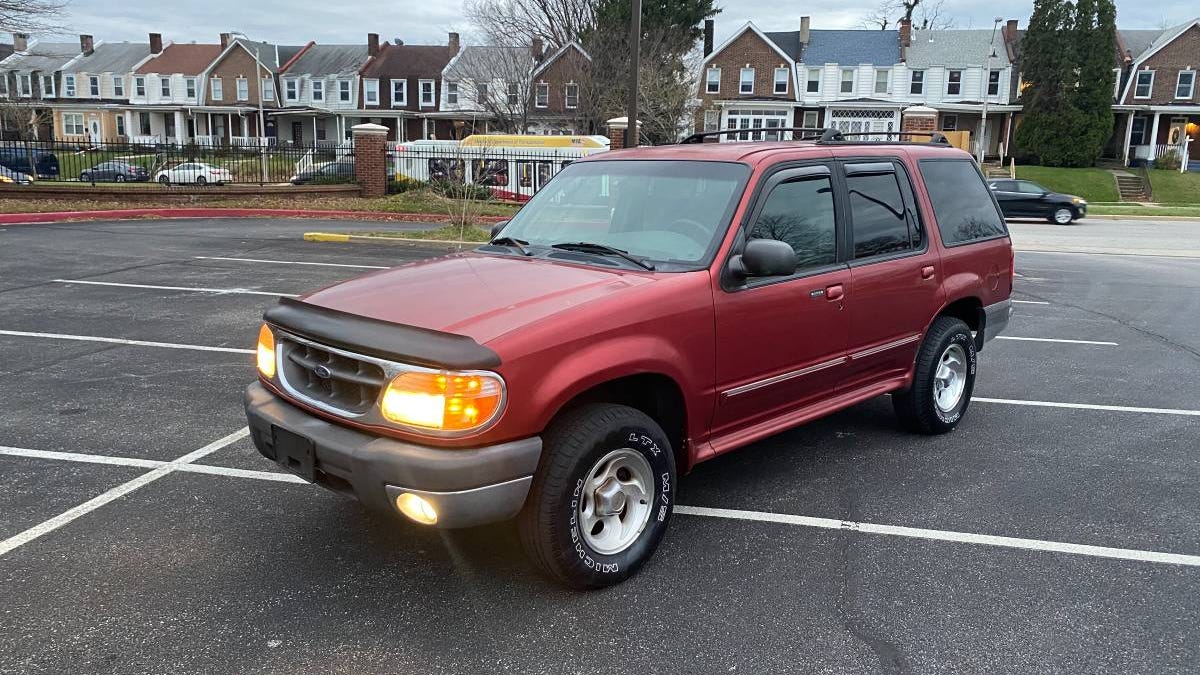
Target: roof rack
(812, 133)
(835, 136)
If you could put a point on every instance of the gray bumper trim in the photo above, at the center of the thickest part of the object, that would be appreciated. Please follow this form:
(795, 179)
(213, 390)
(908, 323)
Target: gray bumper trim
(995, 319)
(468, 508)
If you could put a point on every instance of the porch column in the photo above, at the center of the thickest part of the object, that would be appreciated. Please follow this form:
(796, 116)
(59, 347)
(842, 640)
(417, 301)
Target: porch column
(1154, 136)
(1128, 136)
(128, 124)
(314, 129)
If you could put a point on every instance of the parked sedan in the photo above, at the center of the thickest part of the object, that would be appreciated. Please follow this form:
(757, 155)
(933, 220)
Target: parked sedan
(1026, 199)
(10, 177)
(342, 169)
(196, 173)
(115, 171)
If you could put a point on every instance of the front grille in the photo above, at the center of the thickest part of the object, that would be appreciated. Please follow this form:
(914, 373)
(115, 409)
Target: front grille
(332, 378)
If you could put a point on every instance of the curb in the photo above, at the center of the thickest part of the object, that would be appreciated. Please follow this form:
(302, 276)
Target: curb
(1138, 216)
(213, 212)
(335, 237)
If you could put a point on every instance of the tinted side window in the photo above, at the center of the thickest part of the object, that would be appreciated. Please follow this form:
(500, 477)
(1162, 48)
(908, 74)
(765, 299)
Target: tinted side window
(961, 201)
(1005, 186)
(800, 212)
(878, 215)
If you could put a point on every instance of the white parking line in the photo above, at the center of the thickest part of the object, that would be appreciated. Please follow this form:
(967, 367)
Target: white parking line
(117, 492)
(87, 458)
(1029, 302)
(293, 262)
(1090, 406)
(1071, 342)
(946, 535)
(122, 341)
(219, 291)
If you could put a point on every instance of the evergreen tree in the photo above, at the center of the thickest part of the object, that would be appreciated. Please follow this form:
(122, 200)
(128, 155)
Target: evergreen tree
(1050, 126)
(1094, 37)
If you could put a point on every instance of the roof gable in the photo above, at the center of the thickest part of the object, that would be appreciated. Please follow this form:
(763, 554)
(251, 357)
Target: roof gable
(184, 59)
(553, 58)
(749, 26)
(853, 47)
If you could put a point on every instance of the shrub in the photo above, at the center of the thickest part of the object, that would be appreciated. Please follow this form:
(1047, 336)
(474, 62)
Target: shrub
(1169, 160)
(401, 185)
(456, 190)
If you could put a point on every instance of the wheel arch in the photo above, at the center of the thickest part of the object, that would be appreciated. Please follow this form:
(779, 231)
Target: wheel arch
(970, 310)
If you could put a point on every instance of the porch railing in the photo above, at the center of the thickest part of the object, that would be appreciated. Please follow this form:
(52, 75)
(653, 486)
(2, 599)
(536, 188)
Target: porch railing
(145, 140)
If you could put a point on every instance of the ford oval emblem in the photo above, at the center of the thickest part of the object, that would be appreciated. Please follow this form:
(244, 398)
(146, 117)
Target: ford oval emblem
(322, 372)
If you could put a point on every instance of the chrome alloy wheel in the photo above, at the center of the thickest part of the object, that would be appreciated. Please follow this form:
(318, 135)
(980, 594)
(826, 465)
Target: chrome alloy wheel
(1063, 216)
(615, 505)
(950, 378)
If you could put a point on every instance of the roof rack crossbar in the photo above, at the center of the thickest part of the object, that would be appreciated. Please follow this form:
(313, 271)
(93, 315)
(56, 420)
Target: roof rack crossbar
(836, 136)
(813, 132)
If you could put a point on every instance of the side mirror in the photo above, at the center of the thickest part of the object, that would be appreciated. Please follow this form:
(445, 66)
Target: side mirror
(764, 258)
(498, 227)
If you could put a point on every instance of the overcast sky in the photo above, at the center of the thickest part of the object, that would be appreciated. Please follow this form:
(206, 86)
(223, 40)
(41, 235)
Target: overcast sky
(428, 21)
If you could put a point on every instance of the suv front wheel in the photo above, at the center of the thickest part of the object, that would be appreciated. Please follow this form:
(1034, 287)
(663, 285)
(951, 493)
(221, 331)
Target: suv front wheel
(601, 498)
(943, 380)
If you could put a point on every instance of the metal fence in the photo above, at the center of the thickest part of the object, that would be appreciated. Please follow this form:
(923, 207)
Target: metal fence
(509, 174)
(191, 163)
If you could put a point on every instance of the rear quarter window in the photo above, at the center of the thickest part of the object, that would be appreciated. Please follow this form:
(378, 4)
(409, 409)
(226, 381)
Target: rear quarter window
(962, 202)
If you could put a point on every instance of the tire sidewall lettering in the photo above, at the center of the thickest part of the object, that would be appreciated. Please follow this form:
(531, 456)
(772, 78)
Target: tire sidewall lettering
(965, 341)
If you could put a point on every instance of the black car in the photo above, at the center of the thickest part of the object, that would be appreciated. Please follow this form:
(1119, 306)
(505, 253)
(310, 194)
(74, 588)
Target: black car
(1026, 199)
(33, 162)
(115, 171)
(340, 171)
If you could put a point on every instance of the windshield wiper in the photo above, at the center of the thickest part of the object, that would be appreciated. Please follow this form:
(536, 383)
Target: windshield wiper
(512, 243)
(603, 249)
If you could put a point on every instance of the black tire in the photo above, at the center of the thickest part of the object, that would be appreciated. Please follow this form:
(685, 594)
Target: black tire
(549, 523)
(201, 180)
(85, 177)
(164, 180)
(120, 178)
(917, 408)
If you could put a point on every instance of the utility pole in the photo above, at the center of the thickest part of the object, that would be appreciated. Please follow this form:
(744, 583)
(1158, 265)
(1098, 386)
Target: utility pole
(987, 77)
(262, 131)
(635, 46)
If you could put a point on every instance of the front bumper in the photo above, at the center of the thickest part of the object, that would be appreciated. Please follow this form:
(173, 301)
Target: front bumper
(468, 487)
(995, 320)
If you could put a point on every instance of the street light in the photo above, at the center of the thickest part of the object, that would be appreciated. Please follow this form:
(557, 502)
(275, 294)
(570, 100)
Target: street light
(987, 76)
(635, 45)
(262, 150)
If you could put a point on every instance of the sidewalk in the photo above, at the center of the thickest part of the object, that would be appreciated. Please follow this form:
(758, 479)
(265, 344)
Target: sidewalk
(1176, 238)
(217, 212)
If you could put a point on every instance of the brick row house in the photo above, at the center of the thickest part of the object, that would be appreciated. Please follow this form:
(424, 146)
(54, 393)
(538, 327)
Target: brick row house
(1157, 97)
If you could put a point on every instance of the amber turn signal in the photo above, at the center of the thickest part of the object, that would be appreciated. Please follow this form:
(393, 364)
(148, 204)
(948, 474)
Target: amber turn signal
(266, 352)
(443, 401)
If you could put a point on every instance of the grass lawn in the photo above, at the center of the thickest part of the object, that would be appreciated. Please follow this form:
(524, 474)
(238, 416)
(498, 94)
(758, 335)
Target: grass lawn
(1172, 187)
(1094, 185)
(1137, 210)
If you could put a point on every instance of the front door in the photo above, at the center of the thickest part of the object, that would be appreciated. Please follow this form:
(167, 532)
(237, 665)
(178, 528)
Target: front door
(895, 272)
(298, 133)
(781, 341)
(94, 128)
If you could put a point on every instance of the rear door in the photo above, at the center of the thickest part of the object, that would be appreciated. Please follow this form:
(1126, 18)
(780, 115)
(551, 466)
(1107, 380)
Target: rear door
(895, 271)
(1008, 198)
(781, 341)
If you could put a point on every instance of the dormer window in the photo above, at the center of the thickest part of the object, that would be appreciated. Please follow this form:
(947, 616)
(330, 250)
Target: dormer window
(954, 83)
(814, 80)
(1144, 86)
(847, 86)
(994, 83)
(94, 86)
(68, 86)
(47, 86)
(712, 81)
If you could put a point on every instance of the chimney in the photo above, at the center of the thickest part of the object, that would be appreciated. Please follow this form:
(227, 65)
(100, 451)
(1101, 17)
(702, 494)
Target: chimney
(226, 38)
(708, 36)
(20, 42)
(905, 33)
(156, 43)
(453, 42)
(372, 44)
(537, 50)
(86, 45)
(1012, 29)
(805, 33)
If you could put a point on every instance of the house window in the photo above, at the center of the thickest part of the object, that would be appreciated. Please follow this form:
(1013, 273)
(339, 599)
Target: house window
(758, 125)
(712, 120)
(916, 85)
(452, 93)
(954, 83)
(712, 81)
(25, 85)
(319, 126)
(1138, 131)
(344, 91)
(139, 86)
(814, 80)
(427, 94)
(68, 85)
(1185, 86)
(3, 84)
(847, 86)
(119, 88)
(949, 122)
(399, 92)
(120, 125)
(1145, 84)
(541, 97)
(164, 86)
(218, 92)
(882, 80)
(746, 81)
(994, 83)
(572, 95)
(144, 123)
(317, 87)
(48, 86)
(73, 124)
(243, 89)
(514, 94)
(189, 87)
(781, 80)
(94, 86)
(267, 86)
(811, 119)
(371, 91)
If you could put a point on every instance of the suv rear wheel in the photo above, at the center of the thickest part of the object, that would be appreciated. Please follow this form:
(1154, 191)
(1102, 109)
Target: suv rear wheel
(601, 498)
(943, 380)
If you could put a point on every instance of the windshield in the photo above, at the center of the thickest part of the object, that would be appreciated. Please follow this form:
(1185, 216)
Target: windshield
(662, 210)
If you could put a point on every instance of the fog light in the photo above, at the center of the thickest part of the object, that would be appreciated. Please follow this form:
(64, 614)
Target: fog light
(265, 354)
(416, 508)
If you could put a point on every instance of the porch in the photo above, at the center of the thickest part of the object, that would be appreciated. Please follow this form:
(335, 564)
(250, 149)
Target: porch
(197, 126)
(1157, 137)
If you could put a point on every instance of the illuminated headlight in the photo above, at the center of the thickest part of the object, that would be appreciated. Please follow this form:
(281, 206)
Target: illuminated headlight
(1077, 200)
(445, 402)
(265, 354)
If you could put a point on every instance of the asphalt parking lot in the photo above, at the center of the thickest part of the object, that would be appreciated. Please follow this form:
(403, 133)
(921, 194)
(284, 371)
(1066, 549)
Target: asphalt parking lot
(1057, 530)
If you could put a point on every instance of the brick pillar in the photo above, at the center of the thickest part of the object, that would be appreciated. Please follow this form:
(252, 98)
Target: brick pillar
(616, 132)
(370, 158)
(919, 118)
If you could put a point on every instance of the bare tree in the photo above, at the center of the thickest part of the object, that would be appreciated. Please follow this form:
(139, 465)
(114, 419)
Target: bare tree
(20, 121)
(494, 80)
(932, 15)
(923, 14)
(30, 16)
(555, 22)
(881, 17)
(666, 86)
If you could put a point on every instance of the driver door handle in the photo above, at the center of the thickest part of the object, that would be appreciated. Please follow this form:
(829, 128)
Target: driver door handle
(834, 292)
(927, 272)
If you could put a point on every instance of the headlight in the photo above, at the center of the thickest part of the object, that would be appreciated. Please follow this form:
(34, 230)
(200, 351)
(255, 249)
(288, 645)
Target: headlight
(1077, 200)
(444, 401)
(266, 352)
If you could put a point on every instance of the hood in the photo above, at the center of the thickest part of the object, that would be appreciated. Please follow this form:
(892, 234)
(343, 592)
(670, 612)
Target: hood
(478, 295)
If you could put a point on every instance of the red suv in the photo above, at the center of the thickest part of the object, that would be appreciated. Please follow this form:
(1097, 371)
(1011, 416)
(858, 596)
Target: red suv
(647, 310)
